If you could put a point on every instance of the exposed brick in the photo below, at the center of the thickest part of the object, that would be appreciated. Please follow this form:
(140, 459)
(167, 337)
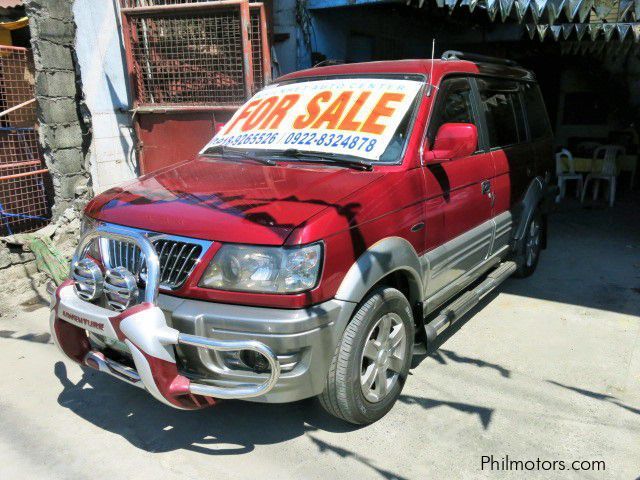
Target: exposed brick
(58, 92)
(55, 30)
(58, 9)
(62, 136)
(56, 84)
(66, 162)
(52, 56)
(69, 186)
(57, 111)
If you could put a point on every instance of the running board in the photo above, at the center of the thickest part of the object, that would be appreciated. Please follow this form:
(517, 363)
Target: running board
(465, 302)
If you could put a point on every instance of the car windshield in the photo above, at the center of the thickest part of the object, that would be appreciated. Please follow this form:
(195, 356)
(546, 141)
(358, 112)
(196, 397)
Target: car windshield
(367, 118)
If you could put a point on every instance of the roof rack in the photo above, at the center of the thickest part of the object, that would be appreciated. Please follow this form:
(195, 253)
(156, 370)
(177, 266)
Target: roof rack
(474, 57)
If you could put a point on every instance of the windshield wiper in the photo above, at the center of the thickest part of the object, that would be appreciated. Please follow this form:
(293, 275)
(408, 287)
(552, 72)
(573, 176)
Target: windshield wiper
(318, 157)
(226, 152)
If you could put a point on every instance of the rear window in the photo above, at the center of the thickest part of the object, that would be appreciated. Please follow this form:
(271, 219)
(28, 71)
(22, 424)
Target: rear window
(503, 111)
(536, 112)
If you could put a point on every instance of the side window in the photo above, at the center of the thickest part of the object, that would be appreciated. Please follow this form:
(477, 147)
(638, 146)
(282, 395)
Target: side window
(503, 111)
(453, 105)
(536, 112)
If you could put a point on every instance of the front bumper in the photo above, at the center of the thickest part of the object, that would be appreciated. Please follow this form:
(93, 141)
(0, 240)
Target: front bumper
(175, 348)
(304, 341)
(151, 343)
(182, 366)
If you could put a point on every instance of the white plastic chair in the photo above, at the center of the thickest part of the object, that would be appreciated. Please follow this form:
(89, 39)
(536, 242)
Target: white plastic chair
(608, 172)
(564, 176)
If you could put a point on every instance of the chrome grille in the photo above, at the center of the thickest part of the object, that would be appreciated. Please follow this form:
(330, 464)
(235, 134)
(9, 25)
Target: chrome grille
(177, 259)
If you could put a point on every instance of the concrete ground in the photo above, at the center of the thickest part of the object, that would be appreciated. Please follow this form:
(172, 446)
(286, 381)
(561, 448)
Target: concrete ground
(548, 368)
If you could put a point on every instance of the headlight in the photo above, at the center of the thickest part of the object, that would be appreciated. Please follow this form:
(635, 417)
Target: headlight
(86, 224)
(264, 269)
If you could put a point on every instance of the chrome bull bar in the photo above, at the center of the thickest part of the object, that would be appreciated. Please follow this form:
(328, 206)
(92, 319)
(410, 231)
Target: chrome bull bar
(169, 336)
(115, 369)
(114, 232)
(241, 391)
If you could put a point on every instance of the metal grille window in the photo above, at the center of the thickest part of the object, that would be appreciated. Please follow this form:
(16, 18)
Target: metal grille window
(191, 64)
(18, 145)
(177, 259)
(24, 180)
(16, 88)
(184, 59)
(255, 37)
(158, 3)
(23, 203)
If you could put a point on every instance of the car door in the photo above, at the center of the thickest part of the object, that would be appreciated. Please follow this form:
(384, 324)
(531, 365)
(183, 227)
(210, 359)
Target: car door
(512, 152)
(464, 185)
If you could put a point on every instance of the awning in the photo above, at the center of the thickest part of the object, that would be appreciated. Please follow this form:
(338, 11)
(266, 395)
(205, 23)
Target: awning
(594, 20)
(10, 3)
(587, 31)
(562, 20)
(14, 24)
(547, 11)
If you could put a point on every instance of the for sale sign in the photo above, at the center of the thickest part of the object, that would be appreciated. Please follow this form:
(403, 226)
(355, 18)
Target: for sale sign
(356, 117)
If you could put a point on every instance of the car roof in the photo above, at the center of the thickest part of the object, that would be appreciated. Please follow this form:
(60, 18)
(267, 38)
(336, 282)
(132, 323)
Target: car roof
(439, 68)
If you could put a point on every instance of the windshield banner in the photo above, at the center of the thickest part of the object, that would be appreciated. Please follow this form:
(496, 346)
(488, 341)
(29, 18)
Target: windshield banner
(356, 117)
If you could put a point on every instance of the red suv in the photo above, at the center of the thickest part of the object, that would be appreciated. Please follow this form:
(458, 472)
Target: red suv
(342, 215)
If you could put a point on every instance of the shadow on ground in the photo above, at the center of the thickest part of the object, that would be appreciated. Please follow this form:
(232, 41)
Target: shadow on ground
(44, 337)
(597, 396)
(229, 428)
(592, 258)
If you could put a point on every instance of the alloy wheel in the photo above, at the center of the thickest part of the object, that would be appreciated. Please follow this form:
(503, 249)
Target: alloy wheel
(382, 357)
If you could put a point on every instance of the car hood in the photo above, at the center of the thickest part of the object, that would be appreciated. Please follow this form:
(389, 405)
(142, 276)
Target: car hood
(228, 201)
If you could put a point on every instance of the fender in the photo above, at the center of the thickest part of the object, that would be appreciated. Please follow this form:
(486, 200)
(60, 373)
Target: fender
(388, 255)
(524, 211)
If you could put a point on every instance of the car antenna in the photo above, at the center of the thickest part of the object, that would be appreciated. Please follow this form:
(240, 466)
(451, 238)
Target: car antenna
(433, 54)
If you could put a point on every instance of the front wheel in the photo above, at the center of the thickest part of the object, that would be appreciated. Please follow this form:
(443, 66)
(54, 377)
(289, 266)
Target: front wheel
(372, 359)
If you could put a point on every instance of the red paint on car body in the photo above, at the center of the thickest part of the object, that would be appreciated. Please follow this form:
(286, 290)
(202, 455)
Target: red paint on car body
(293, 204)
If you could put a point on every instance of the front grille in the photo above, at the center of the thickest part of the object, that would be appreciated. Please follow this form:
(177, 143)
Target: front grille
(177, 259)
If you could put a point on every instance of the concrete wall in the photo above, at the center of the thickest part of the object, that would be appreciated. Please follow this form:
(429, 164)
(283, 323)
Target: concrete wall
(623, 98)
(65, 126)
(101, 60)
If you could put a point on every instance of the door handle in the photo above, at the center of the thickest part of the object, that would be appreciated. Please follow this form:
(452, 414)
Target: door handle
(486, 187)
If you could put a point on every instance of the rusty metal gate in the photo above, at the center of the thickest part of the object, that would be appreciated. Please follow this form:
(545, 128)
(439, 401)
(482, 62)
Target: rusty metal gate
(191, 65)
(24, 204)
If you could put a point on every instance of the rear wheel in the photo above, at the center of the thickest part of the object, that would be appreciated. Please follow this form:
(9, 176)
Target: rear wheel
(527, 259)
(372, 359)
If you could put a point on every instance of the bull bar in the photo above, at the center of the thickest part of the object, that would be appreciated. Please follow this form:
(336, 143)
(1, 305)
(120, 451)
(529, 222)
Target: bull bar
(144, 330)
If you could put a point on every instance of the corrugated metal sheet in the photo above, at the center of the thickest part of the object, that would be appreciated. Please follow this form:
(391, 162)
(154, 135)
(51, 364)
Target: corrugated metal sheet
(10, 3)
(603, 20)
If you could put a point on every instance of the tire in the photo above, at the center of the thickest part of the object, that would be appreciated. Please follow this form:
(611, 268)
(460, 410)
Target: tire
(529, 255)
(344, 395)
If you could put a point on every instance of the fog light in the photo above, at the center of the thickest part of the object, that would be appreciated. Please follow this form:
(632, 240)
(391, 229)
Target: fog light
(254, 361)
(120, 288)
(88, 279)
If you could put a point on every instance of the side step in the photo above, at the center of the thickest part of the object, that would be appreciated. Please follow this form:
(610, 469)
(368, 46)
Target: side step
(465, 302)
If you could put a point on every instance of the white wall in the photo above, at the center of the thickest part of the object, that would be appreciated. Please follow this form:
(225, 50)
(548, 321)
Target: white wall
(102, 67)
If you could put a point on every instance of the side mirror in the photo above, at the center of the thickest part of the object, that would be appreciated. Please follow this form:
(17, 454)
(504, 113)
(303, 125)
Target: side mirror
(453, 140)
